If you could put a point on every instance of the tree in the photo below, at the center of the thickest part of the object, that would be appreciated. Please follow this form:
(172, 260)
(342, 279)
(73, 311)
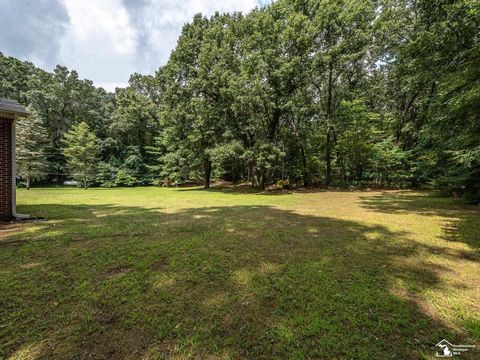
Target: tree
(341, 31)
(31, 140)
(274, 59)
(81, 151)
(356, 136)
(134, 124)
(432, 66)
(14, 78)
(332, 92)
(194, 108)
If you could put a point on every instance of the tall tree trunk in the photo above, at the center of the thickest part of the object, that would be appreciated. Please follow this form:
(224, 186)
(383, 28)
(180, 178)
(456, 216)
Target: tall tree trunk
(273, 126)
(207, 167)
(251, 174)
(306, 179)
(328, 159)
(85, 183)
(28, 182)
(340, 159)
(359, 172)
(305, 175)
(262, 181)
(328, 145)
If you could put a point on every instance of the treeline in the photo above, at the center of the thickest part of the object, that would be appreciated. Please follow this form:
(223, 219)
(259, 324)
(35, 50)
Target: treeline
(332, 93)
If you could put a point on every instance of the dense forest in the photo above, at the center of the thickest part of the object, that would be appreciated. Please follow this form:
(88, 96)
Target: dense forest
(307, 92)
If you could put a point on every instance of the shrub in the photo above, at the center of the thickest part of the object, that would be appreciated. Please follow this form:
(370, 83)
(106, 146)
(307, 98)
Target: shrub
(123, 178)
(282, 184)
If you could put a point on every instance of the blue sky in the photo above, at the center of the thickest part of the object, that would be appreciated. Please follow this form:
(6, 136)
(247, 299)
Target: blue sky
(104, 40)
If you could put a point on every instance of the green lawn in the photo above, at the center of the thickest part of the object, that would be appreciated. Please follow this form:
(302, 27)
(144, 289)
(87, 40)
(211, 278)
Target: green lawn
(185, 273)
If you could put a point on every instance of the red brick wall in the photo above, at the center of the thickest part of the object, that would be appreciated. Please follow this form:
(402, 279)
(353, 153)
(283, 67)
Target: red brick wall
(5, 169)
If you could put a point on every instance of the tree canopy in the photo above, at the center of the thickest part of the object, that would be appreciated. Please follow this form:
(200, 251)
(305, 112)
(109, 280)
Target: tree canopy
(81, 152)
(332, 93)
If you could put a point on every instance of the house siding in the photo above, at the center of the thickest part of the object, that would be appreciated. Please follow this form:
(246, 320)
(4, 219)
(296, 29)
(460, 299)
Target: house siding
(6, 169)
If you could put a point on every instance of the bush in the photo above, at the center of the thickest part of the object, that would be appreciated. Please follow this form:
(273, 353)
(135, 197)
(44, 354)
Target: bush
(282, 184)
(123, 178)
(106, 174)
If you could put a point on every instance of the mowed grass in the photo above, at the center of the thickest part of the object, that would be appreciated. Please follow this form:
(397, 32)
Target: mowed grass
(155, 273)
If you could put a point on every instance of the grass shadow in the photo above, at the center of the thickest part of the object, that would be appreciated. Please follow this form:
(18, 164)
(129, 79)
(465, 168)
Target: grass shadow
(461, 221)
(257, 282)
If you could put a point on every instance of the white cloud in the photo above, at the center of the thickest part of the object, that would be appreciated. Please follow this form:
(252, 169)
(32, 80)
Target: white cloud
(31, 30)
(100, 41)
(158, 23)
(105, 21)
(104, 40)
(111, 86)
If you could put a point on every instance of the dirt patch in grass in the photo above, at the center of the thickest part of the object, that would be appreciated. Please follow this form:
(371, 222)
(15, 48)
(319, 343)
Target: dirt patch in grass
(116, 271)
(160, 265)
(13, 242)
